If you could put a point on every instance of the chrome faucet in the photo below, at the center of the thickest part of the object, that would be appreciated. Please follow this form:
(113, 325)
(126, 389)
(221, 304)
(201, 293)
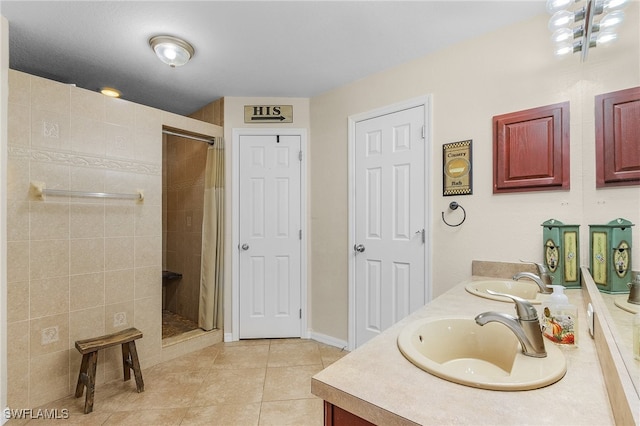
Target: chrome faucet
(526, 327)
(543, 279)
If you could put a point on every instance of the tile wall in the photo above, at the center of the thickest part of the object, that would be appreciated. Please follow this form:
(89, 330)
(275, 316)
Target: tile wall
(79, 267)
(211, 113)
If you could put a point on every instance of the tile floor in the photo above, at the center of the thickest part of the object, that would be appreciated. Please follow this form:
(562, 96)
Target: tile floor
(250, 382)
(175, 324)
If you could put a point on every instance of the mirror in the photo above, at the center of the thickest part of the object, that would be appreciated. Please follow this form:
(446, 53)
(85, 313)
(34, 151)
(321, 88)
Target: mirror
(619, 375)
(621, 322)
(601, 205)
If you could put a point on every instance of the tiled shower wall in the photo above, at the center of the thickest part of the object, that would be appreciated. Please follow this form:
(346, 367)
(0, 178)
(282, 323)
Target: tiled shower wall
(184, 164)
(175, 294)
(79, 267)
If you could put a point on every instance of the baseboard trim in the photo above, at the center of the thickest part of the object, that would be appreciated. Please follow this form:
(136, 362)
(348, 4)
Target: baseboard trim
(327, 340)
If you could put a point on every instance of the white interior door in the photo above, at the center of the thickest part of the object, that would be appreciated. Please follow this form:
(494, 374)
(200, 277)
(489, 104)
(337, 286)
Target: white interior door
(269, 236)
(389, 221)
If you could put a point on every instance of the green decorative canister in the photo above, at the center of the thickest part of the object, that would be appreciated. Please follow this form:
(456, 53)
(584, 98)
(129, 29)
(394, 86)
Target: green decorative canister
(610, 260)
(561, 252)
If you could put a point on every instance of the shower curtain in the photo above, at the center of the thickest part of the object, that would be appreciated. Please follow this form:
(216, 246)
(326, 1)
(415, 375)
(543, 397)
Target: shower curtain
(212, 259)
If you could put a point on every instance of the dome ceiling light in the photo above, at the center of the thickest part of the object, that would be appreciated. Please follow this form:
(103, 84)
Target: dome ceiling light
(172, 51)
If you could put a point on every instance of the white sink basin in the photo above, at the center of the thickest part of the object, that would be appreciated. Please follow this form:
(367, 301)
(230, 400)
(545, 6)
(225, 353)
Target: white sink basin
(485, 357)
(623, 303)
(525, 289)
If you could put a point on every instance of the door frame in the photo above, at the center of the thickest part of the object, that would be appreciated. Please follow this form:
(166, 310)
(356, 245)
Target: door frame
(235, 227)
(424, 101)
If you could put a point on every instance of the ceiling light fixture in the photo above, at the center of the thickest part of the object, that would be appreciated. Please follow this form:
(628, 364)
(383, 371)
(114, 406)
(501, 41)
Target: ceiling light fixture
(110, 91)
(578, 25)
(171, 50)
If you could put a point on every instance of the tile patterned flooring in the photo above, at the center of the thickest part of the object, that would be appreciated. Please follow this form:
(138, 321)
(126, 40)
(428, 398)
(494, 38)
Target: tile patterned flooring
(174, 324)
(250, 382)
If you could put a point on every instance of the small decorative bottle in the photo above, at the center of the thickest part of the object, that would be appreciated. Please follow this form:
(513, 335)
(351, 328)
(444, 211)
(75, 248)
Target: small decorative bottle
(560, 318)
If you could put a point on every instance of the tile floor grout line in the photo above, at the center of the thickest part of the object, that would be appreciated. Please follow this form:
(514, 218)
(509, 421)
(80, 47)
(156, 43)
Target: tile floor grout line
(264, 383)
(118, 402)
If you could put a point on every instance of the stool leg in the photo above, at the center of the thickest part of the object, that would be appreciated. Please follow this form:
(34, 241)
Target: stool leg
(135, 364)
(126, 363)
(81, 379)
(91, 382)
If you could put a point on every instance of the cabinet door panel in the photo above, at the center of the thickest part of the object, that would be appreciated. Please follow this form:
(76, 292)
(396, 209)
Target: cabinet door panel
(618, 138)
(531, 149)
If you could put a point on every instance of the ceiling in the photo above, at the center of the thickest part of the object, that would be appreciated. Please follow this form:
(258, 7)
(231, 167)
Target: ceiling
(243, 48)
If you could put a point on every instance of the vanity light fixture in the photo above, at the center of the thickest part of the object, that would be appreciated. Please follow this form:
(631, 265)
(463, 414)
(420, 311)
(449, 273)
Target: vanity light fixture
(172, 51)
(110, 91)
(578, 25)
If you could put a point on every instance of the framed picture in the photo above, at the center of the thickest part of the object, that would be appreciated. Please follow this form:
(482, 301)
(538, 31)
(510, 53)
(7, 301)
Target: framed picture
(457, 168)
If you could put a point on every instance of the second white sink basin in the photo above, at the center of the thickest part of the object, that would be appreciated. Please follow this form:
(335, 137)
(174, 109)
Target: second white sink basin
(525, 289)
(622, 303)
(486, 357)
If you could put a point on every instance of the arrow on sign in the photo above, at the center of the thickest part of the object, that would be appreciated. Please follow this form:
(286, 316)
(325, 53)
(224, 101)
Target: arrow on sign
(274, 118)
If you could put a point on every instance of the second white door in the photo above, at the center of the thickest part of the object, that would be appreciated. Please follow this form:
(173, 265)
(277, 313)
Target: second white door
(389, 216)
(270, 236)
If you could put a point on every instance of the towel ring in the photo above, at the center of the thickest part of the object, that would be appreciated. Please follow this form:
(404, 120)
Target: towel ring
(453, 206)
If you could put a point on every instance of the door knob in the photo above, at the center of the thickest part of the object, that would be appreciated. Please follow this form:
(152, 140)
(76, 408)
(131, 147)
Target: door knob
(245, 246)
(359, 248)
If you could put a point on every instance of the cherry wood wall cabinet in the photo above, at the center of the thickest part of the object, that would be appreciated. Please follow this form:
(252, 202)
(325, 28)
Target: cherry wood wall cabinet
(531, 150)
(618, 138)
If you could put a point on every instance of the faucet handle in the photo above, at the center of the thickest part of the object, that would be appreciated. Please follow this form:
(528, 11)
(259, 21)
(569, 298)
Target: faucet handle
(543, 272)
(524, 309)
(542, 269)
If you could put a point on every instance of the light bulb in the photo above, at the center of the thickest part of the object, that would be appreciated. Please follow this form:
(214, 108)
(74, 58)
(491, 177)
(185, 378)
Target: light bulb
(612, 19)
(554, 6)
(170, 53)
(564, 48)
(614, 4)
(561, 35)
(605, 37)
(560, 19)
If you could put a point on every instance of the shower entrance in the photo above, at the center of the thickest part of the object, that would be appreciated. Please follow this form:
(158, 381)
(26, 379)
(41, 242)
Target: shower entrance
(183, 187)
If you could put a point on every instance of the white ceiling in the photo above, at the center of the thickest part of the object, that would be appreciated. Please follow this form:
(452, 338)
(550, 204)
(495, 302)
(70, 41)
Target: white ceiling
(243, 48)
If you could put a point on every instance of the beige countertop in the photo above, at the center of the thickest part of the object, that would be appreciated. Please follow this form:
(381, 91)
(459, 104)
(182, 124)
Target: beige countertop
(377, 383)
(622, 319)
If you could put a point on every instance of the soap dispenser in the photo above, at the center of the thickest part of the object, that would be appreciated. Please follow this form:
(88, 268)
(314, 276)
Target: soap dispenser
(560, 318)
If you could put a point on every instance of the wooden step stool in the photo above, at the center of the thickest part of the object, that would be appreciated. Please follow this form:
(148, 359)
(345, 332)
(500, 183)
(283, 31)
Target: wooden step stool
(89, 349)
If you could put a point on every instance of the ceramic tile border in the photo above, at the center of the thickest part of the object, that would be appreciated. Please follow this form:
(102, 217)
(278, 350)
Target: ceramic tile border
(69, 159)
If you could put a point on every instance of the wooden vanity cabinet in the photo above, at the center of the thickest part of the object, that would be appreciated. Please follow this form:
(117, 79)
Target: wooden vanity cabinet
(336, 416)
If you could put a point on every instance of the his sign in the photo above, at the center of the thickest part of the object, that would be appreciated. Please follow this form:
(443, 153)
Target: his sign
(268, 113)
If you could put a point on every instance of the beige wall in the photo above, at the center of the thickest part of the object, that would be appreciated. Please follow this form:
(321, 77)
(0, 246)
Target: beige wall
(4, 93)
(81, 267)
(505, 71)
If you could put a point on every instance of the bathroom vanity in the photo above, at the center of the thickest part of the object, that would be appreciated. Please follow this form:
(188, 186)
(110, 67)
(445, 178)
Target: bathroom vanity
(377, 384)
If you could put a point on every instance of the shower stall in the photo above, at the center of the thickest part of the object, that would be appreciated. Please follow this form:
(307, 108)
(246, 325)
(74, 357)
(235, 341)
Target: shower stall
(183, 184)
